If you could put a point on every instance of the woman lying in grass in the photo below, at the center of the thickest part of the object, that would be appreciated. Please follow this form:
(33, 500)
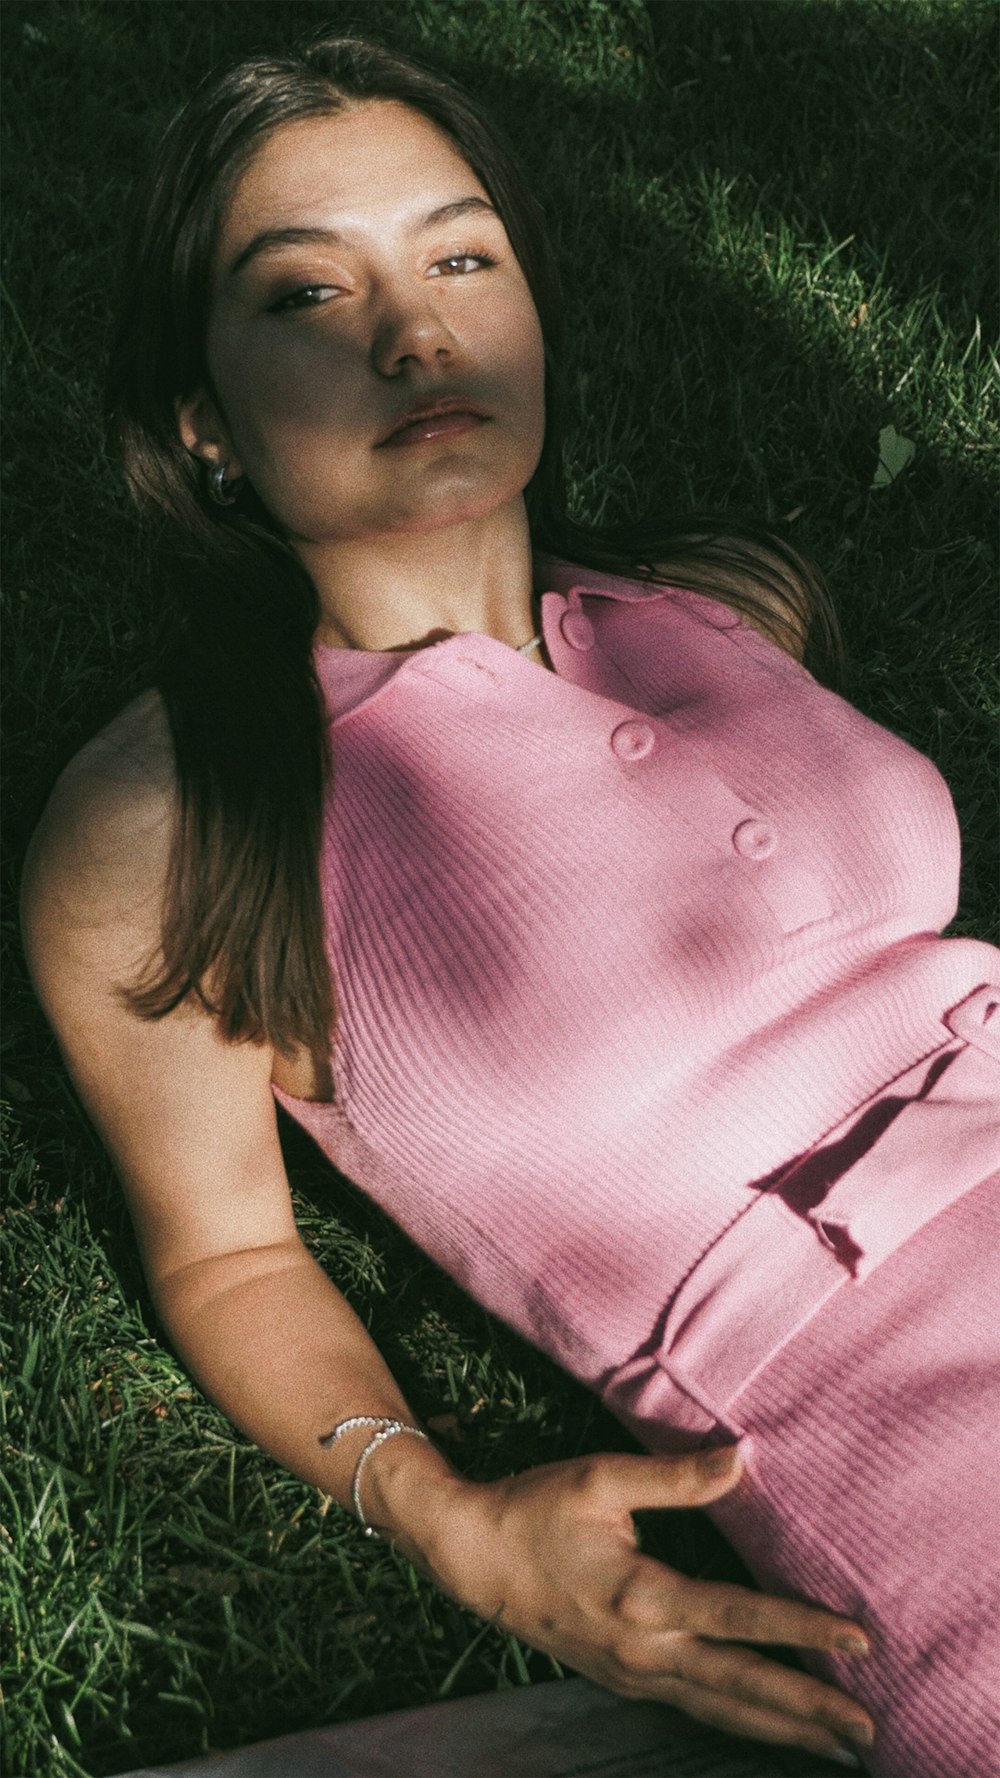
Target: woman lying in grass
(526, 865)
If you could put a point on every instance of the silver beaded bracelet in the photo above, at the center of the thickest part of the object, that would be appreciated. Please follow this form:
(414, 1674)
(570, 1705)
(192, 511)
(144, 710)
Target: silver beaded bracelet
(386, 1429)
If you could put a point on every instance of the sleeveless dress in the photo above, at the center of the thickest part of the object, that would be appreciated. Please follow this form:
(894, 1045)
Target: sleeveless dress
(646, 1034)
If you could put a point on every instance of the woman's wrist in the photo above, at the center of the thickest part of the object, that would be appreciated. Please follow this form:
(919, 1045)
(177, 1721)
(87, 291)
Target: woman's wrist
(437, 1518)
(408, 1492)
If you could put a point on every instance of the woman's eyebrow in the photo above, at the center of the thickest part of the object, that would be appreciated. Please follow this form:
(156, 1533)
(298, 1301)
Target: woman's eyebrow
(297, 237)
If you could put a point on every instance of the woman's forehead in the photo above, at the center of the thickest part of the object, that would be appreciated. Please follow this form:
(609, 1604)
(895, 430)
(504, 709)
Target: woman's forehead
(368, 164)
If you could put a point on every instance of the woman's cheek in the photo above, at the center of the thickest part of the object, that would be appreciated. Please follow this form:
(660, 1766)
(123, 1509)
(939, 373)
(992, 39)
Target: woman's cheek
(529, 373)
(309, 381)
(295, 437)
(303, 479)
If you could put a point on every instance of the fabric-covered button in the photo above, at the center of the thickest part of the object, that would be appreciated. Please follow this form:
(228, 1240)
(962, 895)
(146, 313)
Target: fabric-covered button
(755, 839)
(632, 740)
(577, 630)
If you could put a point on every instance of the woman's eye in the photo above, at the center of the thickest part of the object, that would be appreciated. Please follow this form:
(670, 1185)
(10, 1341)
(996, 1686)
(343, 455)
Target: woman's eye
(458, 264)
(308, 296)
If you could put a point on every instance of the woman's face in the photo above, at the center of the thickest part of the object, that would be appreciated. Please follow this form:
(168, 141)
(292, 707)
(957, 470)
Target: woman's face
(362, 272)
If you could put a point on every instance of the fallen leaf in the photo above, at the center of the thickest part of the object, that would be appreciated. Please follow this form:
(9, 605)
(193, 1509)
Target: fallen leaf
(894, 453)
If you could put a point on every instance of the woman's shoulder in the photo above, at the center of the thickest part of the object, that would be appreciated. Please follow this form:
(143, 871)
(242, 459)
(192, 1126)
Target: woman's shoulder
(104, 839)
(128, 761)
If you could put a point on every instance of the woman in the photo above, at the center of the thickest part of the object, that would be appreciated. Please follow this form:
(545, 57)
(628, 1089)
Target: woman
(616, 980)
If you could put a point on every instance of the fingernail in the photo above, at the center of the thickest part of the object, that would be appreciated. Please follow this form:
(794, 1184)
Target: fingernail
(843, 1758)
(854, 1644)
(861, 1733)
(721, 1461)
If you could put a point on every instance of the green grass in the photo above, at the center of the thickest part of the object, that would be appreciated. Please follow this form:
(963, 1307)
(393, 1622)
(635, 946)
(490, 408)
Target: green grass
(775, 222)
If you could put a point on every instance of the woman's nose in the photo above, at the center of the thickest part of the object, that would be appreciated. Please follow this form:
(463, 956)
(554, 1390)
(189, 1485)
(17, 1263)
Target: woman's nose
(412, 331)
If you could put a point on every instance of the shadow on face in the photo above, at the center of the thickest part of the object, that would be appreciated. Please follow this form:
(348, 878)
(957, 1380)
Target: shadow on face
(363, 272)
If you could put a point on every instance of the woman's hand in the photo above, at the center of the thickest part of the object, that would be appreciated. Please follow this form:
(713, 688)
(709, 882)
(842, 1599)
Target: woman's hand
(551, 1554)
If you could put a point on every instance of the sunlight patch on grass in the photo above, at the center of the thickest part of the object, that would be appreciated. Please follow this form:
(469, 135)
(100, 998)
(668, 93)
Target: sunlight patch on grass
(774, 219)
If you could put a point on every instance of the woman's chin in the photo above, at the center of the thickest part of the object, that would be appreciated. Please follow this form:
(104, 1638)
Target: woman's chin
(444, 510)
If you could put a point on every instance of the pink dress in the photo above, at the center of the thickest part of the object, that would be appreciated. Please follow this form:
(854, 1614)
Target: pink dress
(646, 1034)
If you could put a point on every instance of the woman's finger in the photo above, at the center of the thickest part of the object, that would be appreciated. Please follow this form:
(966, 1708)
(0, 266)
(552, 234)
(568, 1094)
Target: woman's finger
(750, 1679)
(725, 1612)
(762, 1722)
(618, 1480)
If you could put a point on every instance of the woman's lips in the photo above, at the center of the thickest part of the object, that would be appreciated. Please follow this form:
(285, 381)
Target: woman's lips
(435, 426)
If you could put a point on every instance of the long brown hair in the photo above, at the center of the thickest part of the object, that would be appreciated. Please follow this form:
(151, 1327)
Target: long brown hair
(242, 921)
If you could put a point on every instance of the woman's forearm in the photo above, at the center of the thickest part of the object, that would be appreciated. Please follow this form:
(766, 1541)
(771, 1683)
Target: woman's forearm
(278, 1348)
(551, 1553)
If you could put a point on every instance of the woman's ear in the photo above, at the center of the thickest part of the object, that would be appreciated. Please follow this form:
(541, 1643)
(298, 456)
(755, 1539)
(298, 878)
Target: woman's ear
(203, 433)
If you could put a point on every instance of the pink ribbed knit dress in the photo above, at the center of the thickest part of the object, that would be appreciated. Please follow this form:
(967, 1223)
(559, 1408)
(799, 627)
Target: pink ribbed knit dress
(647, 1036)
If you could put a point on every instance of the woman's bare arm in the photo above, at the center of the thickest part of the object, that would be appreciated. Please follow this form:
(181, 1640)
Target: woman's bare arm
(190, 1122)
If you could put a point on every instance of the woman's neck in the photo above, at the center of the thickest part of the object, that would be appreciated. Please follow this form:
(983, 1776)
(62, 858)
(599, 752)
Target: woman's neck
(401, 591)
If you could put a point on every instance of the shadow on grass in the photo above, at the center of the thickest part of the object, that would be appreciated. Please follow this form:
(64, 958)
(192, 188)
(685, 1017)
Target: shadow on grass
(861, 119)
(725, 390)
(903, 168)
(831, 120)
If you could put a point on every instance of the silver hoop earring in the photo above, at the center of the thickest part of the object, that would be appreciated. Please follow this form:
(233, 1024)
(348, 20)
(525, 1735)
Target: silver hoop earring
(217, 485)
